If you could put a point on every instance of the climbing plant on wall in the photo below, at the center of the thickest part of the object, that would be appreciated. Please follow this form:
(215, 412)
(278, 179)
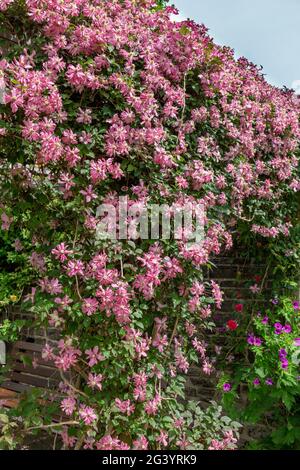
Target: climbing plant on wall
(105, 100)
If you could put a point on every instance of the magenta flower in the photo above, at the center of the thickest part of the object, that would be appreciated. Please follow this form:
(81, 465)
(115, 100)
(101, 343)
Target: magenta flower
(141, 443)
(61, 252)
(89, 194)
(227, 387)
(94, 356)
(255, 289)
(95, 381)
(151, 407)
(280, 329)
(30, 297)
(250, 339)
(90, 306)
(84, 116)
(282, 353)
(68, 406)
(183, 443)
(87, 414)
(163, 439)
(6, 221)
(18, 245)
(75, 268)
(254, 341)
(283, 358)
(217, 294)
(63, 301)
(125, 406)
(67, 357)
(287, 329)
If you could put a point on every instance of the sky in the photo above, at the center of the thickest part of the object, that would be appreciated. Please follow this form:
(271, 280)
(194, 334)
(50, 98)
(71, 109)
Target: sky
(267, 32)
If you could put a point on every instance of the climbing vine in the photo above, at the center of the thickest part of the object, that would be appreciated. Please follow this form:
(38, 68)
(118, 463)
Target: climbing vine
(112, 99)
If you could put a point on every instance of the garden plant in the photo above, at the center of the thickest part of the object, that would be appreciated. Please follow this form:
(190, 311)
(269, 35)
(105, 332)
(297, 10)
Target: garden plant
(105, 101)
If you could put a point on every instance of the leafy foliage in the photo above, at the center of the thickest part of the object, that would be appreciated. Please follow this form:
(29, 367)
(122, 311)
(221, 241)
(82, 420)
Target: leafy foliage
(110, 99)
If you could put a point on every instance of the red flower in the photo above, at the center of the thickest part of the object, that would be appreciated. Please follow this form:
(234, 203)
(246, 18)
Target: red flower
(232, 325)
(238, 307)
(257, 279)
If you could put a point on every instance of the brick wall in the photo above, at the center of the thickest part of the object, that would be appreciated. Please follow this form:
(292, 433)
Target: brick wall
(232, 274)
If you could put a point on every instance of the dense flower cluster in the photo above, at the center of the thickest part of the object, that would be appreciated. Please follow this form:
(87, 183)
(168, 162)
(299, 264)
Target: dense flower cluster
(113, 98)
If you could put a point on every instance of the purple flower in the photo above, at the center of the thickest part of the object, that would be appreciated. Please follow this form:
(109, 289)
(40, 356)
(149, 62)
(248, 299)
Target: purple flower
(287, 329)
(279, 329)
(253, 340)
(256, 381)
(221, 329)
(297, 342)
(227, 387)
(296, 305)
(274, 301)
(250, 339)
(269, 382)
(282, 354)
(265, 320)
(283, 359)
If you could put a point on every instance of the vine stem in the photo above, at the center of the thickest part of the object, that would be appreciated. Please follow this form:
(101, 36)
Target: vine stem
(122, 267)
(8, 39)
(72, 386)
(77, 288)
(75, 236)
(53, 425)
(173, 332)
(79, 443)
(183, 108)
